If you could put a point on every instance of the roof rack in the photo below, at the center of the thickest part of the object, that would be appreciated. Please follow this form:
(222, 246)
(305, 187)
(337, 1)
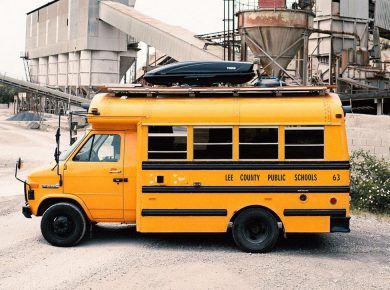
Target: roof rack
(139, 91)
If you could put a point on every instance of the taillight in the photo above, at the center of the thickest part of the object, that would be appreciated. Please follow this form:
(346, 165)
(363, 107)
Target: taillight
(333, 200)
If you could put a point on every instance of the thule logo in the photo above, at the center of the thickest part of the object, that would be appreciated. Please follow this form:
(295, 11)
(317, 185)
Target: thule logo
(231, 68)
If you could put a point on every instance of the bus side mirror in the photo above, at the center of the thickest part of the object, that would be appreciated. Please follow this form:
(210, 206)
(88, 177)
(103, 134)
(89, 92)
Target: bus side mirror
(19, 163)
(58, 134)
(56, 156)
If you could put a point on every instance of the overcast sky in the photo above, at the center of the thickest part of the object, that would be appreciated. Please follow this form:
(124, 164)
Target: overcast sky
(200, 16)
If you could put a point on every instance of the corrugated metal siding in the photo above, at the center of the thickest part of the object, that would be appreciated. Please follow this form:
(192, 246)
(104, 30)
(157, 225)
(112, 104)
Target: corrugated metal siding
(382, 14)
(354, 9)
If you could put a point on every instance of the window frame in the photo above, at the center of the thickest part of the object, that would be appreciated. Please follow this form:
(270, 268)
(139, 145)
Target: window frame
(166, 135)
(87, 138)
(303, 128)
(213, 144)
(259, 127)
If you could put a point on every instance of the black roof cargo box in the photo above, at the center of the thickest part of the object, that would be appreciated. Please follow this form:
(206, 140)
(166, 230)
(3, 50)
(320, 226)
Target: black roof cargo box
(205, 73)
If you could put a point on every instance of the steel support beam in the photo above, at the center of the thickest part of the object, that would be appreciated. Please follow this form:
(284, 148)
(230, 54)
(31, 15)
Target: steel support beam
(274, 61)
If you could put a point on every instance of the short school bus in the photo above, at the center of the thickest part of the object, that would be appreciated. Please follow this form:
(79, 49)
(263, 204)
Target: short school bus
(262, 161)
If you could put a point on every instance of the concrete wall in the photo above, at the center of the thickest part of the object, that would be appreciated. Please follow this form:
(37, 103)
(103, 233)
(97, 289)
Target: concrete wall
(81, 69)
(71, 25)
(370, 133)
(70, 48)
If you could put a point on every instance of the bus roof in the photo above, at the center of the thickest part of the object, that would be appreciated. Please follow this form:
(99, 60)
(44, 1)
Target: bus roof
(119, 111)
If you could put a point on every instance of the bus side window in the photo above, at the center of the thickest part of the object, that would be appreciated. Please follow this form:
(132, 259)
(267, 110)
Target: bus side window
(213, 143)
(304, 142)
(167, 142)
(258, 143)
(100, 148)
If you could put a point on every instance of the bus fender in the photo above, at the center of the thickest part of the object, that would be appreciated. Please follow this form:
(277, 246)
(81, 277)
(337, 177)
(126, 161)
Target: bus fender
(54, 198)
(236, 213)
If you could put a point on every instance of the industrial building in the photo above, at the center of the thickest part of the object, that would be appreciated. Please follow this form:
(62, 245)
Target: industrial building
(69, 48)
(76, 45)
(323, 42)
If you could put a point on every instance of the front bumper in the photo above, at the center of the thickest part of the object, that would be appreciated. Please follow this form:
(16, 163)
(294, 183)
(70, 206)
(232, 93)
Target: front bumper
(26, 210)
(339, 224)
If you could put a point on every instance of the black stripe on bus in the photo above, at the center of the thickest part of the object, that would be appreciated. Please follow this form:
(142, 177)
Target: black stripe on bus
(315, 212)
(245, 189)
(215, 165)
(184, 212)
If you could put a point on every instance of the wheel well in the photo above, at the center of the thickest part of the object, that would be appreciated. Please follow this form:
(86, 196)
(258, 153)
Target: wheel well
(51, 201)
(255, 206)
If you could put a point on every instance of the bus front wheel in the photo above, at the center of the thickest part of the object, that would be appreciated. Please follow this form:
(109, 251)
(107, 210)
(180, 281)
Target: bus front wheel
(63, 225)
(255, 230)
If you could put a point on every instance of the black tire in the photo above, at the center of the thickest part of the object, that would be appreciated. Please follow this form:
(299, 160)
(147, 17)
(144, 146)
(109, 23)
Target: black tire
(63, 225)
(255, 230)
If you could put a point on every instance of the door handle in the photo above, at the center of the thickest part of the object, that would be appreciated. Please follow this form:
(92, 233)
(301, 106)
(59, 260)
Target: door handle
(117, 180)
(115, 171)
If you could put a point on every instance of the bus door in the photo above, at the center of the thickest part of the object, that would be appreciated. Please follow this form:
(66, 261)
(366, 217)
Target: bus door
(95, 174)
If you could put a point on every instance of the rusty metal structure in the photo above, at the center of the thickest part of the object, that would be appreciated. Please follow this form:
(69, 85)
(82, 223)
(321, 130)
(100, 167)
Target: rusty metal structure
(349, 54)
(275, 35)
(322, 42)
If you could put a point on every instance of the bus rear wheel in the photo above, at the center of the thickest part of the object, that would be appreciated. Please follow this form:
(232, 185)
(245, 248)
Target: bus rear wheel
(255, 230)
(63, 225)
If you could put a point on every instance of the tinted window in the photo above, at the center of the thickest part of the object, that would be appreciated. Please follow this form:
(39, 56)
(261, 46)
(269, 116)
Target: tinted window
(212, 135)
(307, 152)
(100, 148)
(213, 143)
(296, 136)
(167, 142)
(258, 143)
(258, 135)
(304, 143)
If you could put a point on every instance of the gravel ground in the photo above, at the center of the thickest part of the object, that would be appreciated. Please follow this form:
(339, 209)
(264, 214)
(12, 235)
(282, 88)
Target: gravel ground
(118, 257)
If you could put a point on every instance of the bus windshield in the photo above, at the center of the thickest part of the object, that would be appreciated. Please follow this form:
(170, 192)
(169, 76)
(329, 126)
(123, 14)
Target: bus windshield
(64, 155)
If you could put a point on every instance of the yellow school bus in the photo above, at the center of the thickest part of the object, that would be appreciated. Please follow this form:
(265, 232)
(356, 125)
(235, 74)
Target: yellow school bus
(263, 161)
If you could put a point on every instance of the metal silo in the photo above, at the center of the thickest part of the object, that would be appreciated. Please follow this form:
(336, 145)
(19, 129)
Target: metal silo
(275, 35)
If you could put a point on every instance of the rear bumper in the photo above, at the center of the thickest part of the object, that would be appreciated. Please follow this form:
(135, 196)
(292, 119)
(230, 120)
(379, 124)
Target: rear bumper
(338, 221)
(26, 210)
(339, 224)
